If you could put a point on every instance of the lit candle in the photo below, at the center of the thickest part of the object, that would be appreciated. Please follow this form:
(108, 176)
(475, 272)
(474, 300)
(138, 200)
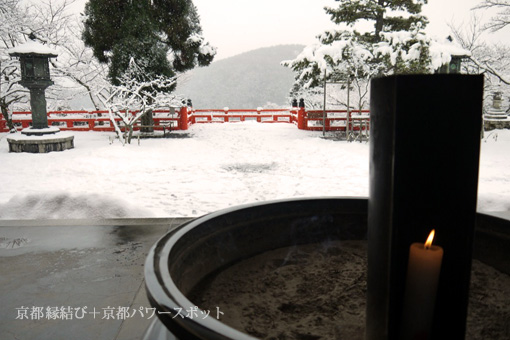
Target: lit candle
(421, 287)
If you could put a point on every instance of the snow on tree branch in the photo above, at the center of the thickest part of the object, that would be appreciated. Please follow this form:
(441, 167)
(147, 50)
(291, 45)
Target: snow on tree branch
(134, 98)
(349, 54)
(492, 60)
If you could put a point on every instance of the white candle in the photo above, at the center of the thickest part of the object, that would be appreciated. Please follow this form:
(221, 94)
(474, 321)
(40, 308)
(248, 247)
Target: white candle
(421, 287)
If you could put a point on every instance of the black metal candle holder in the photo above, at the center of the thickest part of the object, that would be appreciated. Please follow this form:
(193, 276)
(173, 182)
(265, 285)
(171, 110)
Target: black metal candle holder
(424, 160)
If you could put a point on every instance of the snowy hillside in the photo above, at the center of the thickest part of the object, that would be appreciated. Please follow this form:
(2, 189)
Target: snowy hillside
(220, 165)
(245, 81)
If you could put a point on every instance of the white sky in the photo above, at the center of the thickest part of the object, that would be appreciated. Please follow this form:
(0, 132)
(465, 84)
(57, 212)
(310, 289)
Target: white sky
(237, 26)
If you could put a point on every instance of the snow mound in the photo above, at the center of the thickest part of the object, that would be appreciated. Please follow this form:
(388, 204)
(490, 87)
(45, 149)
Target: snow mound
(55, 205)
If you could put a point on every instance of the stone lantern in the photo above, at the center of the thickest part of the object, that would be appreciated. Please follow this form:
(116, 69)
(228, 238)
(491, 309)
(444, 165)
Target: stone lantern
(35, 76)
(497, 100)
(496, 117)
(456, 52)
(454, 65)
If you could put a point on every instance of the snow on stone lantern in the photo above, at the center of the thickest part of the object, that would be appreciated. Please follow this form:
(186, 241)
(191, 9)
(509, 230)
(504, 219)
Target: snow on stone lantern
(452, 52)
(35, 76)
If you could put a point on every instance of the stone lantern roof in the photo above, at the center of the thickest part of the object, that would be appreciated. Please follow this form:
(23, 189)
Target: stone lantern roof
(32, 47)
(447, 55)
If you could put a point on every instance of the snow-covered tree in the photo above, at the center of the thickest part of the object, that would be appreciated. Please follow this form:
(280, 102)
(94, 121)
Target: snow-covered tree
(397, 44)
(386, 15)
(490, 59)
(13, 24)
(10, 91)
(76, 71)
(163, 36)
(342, 55)
(132, 99)
(52, 22)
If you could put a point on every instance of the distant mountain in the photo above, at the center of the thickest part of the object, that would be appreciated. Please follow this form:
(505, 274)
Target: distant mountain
(246, 81)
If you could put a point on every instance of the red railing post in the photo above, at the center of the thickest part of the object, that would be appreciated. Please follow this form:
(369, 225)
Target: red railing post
(348, 124)
(301, 121)
(191, 116)
(184, 118)
(225, 120)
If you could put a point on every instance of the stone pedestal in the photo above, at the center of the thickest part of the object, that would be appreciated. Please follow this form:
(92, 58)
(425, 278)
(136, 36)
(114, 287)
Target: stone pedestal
(41, 144)
(496, 119)
(47, 130)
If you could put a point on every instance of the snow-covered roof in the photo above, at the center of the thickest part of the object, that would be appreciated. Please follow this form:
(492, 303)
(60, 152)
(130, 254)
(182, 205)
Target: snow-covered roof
(32, 47)
(441, 52)
(452, 48)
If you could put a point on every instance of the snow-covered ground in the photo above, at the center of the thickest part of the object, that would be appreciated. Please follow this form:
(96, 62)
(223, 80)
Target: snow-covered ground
(221, 165)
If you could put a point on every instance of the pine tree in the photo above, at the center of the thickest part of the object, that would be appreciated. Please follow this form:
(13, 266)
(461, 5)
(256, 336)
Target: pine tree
(380, 13)
(397, 44)
(148, 31)
(164, 37)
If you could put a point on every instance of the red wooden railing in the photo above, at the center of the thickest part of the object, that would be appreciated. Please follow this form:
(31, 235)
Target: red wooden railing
(261, 116)
(336, 120)
(86, 120)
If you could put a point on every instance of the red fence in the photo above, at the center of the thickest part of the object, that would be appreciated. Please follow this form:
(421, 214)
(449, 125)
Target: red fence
(86, 120)
(335, 120)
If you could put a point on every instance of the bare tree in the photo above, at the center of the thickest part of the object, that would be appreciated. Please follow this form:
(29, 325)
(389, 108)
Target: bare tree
(500, 20)
(55, 25)
(469, 34)
(13, 25)
(10, 91)
(492, 60)
(77, 64)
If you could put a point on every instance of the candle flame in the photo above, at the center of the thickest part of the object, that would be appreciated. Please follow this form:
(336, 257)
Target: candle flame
(428, 243)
